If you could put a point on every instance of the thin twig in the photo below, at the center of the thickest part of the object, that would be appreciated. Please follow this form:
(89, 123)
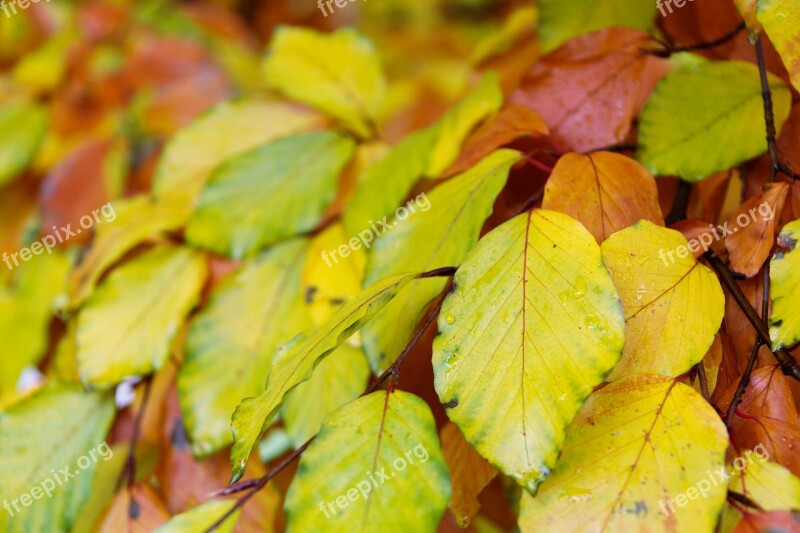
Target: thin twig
(680, 204)
(129, 470)
(669, 49)
(530, 202)
(700, 371)
(769, 115)
(743, 382)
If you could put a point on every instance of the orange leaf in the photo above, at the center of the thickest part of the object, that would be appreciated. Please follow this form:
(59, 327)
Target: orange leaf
(753, 228)
(604, 191)
(135, 510)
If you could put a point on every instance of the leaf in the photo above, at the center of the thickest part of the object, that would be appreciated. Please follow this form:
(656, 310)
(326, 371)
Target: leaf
(561, 20)
(768, 484)
(425, 153)
(440, 236)
(533, 325)
(772, 521)
(605, 191)
(509, 124)
(706, 118)
(40, 436)
(136, 220)
(231, 342)
(672, 309)
(347, 82)
(376, 465)
(22, 128)
(137, 509)
(780, 19)
(338, 379)
(753, 228)
(636, 445)
(201, 518)
(784, 322)
(26, 310)
(296, 363)
(470, 473)
(128, 323)
(230, 218)
(228, 130)
(590, 90)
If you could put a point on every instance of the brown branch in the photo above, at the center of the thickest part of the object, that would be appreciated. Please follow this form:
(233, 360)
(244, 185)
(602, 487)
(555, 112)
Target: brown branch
(680, 204)
(129, 469)
(769, 115)
(788, 364)
(669, 49)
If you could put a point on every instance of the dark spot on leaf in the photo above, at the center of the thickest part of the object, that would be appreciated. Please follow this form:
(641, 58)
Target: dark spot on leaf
(310, 291)
(134, 510)
(778, 323)
(451, 404)
(178, 437)
(738, 276)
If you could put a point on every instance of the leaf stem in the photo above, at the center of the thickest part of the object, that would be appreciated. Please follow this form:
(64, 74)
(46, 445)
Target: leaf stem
(669, 49)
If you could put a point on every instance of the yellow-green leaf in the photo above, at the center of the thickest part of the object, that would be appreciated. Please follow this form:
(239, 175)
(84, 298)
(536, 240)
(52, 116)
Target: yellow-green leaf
(533, 325)
(439, 236)
(268, 194)
(136, 220)
(636, 445)
(338, 379)
(127, 325)
(673, 305)
(58, 427)
(768, 484)
(784, 275)
(707, 118)
(296, 361)
(426, 153)
(376, 465)
(781, 21)
(26, 309)
(22, 128)
(339, 73)
(560, 20)
(231, 343)
(200, 518)
(229, 129)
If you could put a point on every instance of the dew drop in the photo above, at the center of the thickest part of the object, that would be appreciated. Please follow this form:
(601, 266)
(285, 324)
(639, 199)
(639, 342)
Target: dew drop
(450, 318)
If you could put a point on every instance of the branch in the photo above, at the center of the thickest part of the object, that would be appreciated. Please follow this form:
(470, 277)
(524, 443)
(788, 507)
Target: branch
(669, 49)
(129, 469)
(788, 364)
(680, 204)
(769, 115)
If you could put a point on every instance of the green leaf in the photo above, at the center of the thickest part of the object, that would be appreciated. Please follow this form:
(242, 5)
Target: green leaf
(784, 275)
(533, 325)
(781, 19)
(636, 445)
(338, 73)
(337, 380)
(704, 119)
(127, 325)
(376, 465)
(200, 518)
(426, 153)
(55, 428)
(561, 20)
(271, 193)
(22, 128)
(296, 362)
(438, 237)
(229, 129)
(26, 309)
(231, 342)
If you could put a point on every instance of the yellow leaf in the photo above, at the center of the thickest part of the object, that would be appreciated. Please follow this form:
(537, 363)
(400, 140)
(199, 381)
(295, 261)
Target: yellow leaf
(673, 305)
(533, 325)
(637, 447)
(784, 274)
(781, 21)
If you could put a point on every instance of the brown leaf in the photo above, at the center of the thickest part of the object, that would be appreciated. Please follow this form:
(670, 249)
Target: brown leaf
(469, 471)
(753, 228)
(698, 231)
(605, 191)
(769, 522)
(589, 90)
(510, 123)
